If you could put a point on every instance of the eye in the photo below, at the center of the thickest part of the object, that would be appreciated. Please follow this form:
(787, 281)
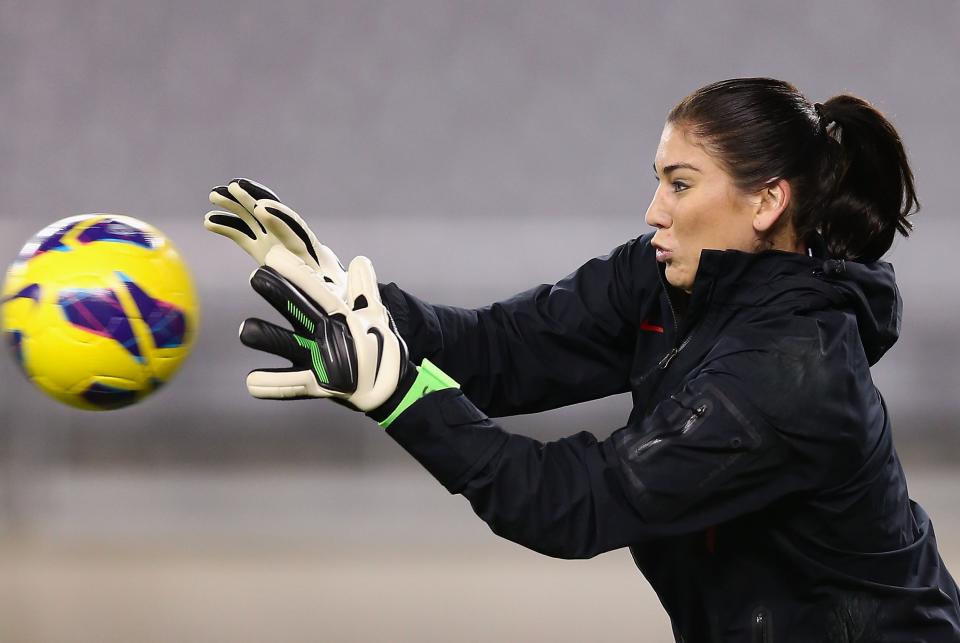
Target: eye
(679, 186)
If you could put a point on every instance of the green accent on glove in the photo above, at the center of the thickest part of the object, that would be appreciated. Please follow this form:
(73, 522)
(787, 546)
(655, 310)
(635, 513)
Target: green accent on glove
(429, 379)
(303, 319)
(314, 349)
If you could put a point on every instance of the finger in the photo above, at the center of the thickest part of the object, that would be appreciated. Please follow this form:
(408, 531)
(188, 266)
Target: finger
(220, 197)
(362, 290)
(247, 193)
(303, 352)
(330, 264)
(284, 384)
(287, 227)
(237, 190)
(263, 336)
(284, 223)
(378, 361)
(378, 351)
(256, 190)
(290, 217)
(286, 299)
(229, 225)
(329, 354)
(306, 279)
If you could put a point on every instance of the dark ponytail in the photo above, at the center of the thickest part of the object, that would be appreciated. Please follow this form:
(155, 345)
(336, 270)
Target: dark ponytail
(867, 186)
(851, 182)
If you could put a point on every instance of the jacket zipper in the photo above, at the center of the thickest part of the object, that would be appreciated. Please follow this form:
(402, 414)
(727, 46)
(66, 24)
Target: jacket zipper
(695, 415)
(761, 626)
(666, 359)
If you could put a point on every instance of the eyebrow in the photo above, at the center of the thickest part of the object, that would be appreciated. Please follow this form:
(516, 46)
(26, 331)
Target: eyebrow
(676, 166)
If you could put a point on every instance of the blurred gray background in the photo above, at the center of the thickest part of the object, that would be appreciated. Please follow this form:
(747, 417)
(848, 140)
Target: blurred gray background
(471, 149)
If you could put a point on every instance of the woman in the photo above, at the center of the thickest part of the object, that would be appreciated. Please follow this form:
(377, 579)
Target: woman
(755, 481)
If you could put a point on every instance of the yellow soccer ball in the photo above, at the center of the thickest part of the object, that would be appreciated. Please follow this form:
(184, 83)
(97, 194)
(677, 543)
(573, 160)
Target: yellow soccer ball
(99, 310)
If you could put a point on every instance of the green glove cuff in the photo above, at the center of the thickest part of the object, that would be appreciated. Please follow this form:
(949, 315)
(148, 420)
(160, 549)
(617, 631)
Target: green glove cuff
(429, 379)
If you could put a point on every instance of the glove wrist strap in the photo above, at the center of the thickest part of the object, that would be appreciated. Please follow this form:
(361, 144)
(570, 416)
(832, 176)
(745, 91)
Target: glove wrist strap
(429, 379)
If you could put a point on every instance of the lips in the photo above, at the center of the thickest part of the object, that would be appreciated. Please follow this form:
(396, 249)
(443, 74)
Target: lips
(663, 254)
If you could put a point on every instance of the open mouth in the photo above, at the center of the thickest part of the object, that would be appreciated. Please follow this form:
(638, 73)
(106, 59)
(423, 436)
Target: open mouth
(663, 254)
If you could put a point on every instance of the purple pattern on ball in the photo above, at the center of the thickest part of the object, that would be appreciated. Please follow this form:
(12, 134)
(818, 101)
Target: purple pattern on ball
(116, 231)
(27, 292)
(99, 311)
(168, 324)
(108, 397)
(15, 344)
(46, 241)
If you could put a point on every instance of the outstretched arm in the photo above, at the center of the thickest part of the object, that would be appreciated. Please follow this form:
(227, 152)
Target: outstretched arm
(550, 346)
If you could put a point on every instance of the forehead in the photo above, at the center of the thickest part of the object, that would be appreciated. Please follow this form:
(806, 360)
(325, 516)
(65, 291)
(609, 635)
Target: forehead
(678, 145)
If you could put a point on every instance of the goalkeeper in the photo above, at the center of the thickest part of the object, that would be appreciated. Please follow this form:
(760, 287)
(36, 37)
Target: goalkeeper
(755, 481)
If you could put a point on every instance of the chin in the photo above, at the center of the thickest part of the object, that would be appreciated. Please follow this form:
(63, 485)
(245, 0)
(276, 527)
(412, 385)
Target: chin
(678, 278)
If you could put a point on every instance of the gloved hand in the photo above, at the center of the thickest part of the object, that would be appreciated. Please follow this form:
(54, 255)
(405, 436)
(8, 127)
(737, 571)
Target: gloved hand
(256, 220)
(350, 351)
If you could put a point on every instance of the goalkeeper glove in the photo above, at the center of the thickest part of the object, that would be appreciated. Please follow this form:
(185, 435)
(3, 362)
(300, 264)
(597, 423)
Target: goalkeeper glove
(256, 220)
(346, 350)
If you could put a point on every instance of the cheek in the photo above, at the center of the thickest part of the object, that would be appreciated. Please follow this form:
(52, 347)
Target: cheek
(710, 220)
(692, 223)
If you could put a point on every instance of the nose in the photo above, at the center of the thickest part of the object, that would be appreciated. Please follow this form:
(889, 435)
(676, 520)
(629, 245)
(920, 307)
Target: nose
(656, 215)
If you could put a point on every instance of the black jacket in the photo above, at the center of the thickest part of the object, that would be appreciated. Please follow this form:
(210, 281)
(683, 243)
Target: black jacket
(755, 481)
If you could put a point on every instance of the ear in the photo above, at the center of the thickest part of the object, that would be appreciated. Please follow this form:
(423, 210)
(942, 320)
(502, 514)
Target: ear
(772, 203)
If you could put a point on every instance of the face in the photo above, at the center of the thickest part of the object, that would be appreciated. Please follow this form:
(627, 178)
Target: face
(696, 207)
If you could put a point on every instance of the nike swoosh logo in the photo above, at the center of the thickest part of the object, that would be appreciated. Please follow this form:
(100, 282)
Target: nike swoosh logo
(376, 333)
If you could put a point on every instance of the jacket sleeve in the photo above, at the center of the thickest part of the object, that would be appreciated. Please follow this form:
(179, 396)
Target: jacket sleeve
(702, 457)
(547, 347)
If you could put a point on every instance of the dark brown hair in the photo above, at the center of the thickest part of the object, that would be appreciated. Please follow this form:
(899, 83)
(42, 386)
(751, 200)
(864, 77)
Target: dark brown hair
(850, 180)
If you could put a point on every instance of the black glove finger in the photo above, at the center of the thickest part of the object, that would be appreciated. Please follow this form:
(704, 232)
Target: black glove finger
(263, 336)
(231, 221)
(256, 190)
(298, 230)
(221, 196)
(225, 193)
(287, 299)
(330, 355)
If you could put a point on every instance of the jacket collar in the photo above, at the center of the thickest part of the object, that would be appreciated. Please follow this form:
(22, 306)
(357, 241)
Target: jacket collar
(737, 275)
(793, 281)
(731, 277)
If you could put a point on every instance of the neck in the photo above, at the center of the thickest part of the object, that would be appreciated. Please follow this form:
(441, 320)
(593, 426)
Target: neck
(785, 241)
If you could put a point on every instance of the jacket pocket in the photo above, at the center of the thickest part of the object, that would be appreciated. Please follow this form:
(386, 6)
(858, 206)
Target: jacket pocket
(689, 419)
(695, 445)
